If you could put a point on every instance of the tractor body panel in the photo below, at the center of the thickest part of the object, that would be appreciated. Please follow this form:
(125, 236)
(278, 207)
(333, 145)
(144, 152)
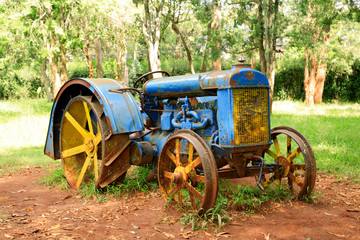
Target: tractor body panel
(121, 110)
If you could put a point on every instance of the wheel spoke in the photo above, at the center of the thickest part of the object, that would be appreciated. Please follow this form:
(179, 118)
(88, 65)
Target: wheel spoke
(277, 147)
(98, 138)
(96, 168)
(194, 191)
(192, 200)
(271, 154)
(191, 153)
(87, 112)
(295, 179)
(73, 151)
(200, 178)
(171, 156)
(299, 166)
(177, 152)
(168, 175)
(83, 170)
(76, 125)
(294, 154)
(288, 146)
(193, 165)
(180, 199)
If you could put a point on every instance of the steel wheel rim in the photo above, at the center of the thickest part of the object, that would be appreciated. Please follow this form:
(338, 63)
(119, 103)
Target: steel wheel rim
(179, 172)
(81, 144)
(295, 159)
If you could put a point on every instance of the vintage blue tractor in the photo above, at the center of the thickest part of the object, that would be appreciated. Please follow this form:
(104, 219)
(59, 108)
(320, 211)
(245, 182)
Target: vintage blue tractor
(191, 130)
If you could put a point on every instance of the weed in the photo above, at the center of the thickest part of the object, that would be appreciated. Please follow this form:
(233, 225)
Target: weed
(215, 217)
(56, 178)
(134, 182)
(250, 198)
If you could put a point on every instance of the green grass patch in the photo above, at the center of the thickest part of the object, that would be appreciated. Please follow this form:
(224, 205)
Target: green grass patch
(215, 218)
(23, 129)
(55, 178)
(134, 182)
(332, 131)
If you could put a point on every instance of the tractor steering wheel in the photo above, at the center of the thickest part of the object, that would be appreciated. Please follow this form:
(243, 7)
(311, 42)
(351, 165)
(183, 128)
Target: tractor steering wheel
(137, 81)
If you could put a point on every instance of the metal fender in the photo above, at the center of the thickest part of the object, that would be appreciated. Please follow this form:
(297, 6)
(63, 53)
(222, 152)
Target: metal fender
(121, 110)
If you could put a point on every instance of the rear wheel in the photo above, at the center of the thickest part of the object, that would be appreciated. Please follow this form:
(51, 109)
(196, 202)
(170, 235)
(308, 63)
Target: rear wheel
(81, 141)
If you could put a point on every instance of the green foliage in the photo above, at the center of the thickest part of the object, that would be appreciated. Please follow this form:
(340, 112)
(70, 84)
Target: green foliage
(77, 69)
(135, 71)
(108, 68)
(215, 217)
(340, 85)
(289, 78)
(134, 182)
(331, 130)
(55, 178)
(20, 83)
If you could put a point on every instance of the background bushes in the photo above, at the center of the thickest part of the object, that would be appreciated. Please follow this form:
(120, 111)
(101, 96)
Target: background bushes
(344, 86)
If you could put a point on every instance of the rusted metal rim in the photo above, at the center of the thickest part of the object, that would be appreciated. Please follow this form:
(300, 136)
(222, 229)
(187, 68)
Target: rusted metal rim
(179, 173)
(297, 164)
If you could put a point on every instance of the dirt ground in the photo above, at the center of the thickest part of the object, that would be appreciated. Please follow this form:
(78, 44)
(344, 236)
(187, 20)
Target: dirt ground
(31, 211)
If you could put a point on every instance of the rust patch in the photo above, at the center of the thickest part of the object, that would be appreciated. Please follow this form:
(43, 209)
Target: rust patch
(250, 75)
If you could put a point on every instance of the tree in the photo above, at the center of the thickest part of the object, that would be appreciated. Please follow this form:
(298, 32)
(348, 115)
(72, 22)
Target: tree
(180, 15)
(319, 18)
(151, 25)
(267, 33)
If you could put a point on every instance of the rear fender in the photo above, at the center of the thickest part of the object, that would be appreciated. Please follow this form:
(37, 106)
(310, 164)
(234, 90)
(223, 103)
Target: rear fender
(121, 110)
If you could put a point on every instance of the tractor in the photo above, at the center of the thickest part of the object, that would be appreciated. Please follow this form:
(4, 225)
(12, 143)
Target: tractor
(191, 130)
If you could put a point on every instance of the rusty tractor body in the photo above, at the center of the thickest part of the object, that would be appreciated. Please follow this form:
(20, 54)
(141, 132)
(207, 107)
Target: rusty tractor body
(191, 130)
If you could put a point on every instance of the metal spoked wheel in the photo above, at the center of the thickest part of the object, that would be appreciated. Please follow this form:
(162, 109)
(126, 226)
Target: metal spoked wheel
(187, 172)
(81, 141)
(295, 161)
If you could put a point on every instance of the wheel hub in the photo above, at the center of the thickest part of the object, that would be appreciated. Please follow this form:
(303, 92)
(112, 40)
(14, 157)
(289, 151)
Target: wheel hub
(180, 176)
(90, 146)
(284, 164)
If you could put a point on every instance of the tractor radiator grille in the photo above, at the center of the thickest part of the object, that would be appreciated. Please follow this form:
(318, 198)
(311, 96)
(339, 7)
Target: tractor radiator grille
(251, 116)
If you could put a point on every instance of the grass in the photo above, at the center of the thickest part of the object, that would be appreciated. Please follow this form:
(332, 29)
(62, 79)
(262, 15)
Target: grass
(55, 178)
(23, 128)
(332, 131)
(215, 217)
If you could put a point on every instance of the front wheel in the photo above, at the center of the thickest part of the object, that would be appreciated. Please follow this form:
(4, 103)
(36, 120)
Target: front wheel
(294, 160)
(187, 172)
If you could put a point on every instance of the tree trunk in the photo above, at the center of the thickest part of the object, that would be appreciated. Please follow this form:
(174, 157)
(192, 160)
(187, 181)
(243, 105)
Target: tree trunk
(177, 49)
(121, 73)
(63, 71)
(322, 67)
(86, 51)
(151, 29)
(45, 80)
(53, 61)
(187, 49)
(267, 20)
(216, 38)
(306, 75)
(261, 37)
(99, 69)
(203, 65)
